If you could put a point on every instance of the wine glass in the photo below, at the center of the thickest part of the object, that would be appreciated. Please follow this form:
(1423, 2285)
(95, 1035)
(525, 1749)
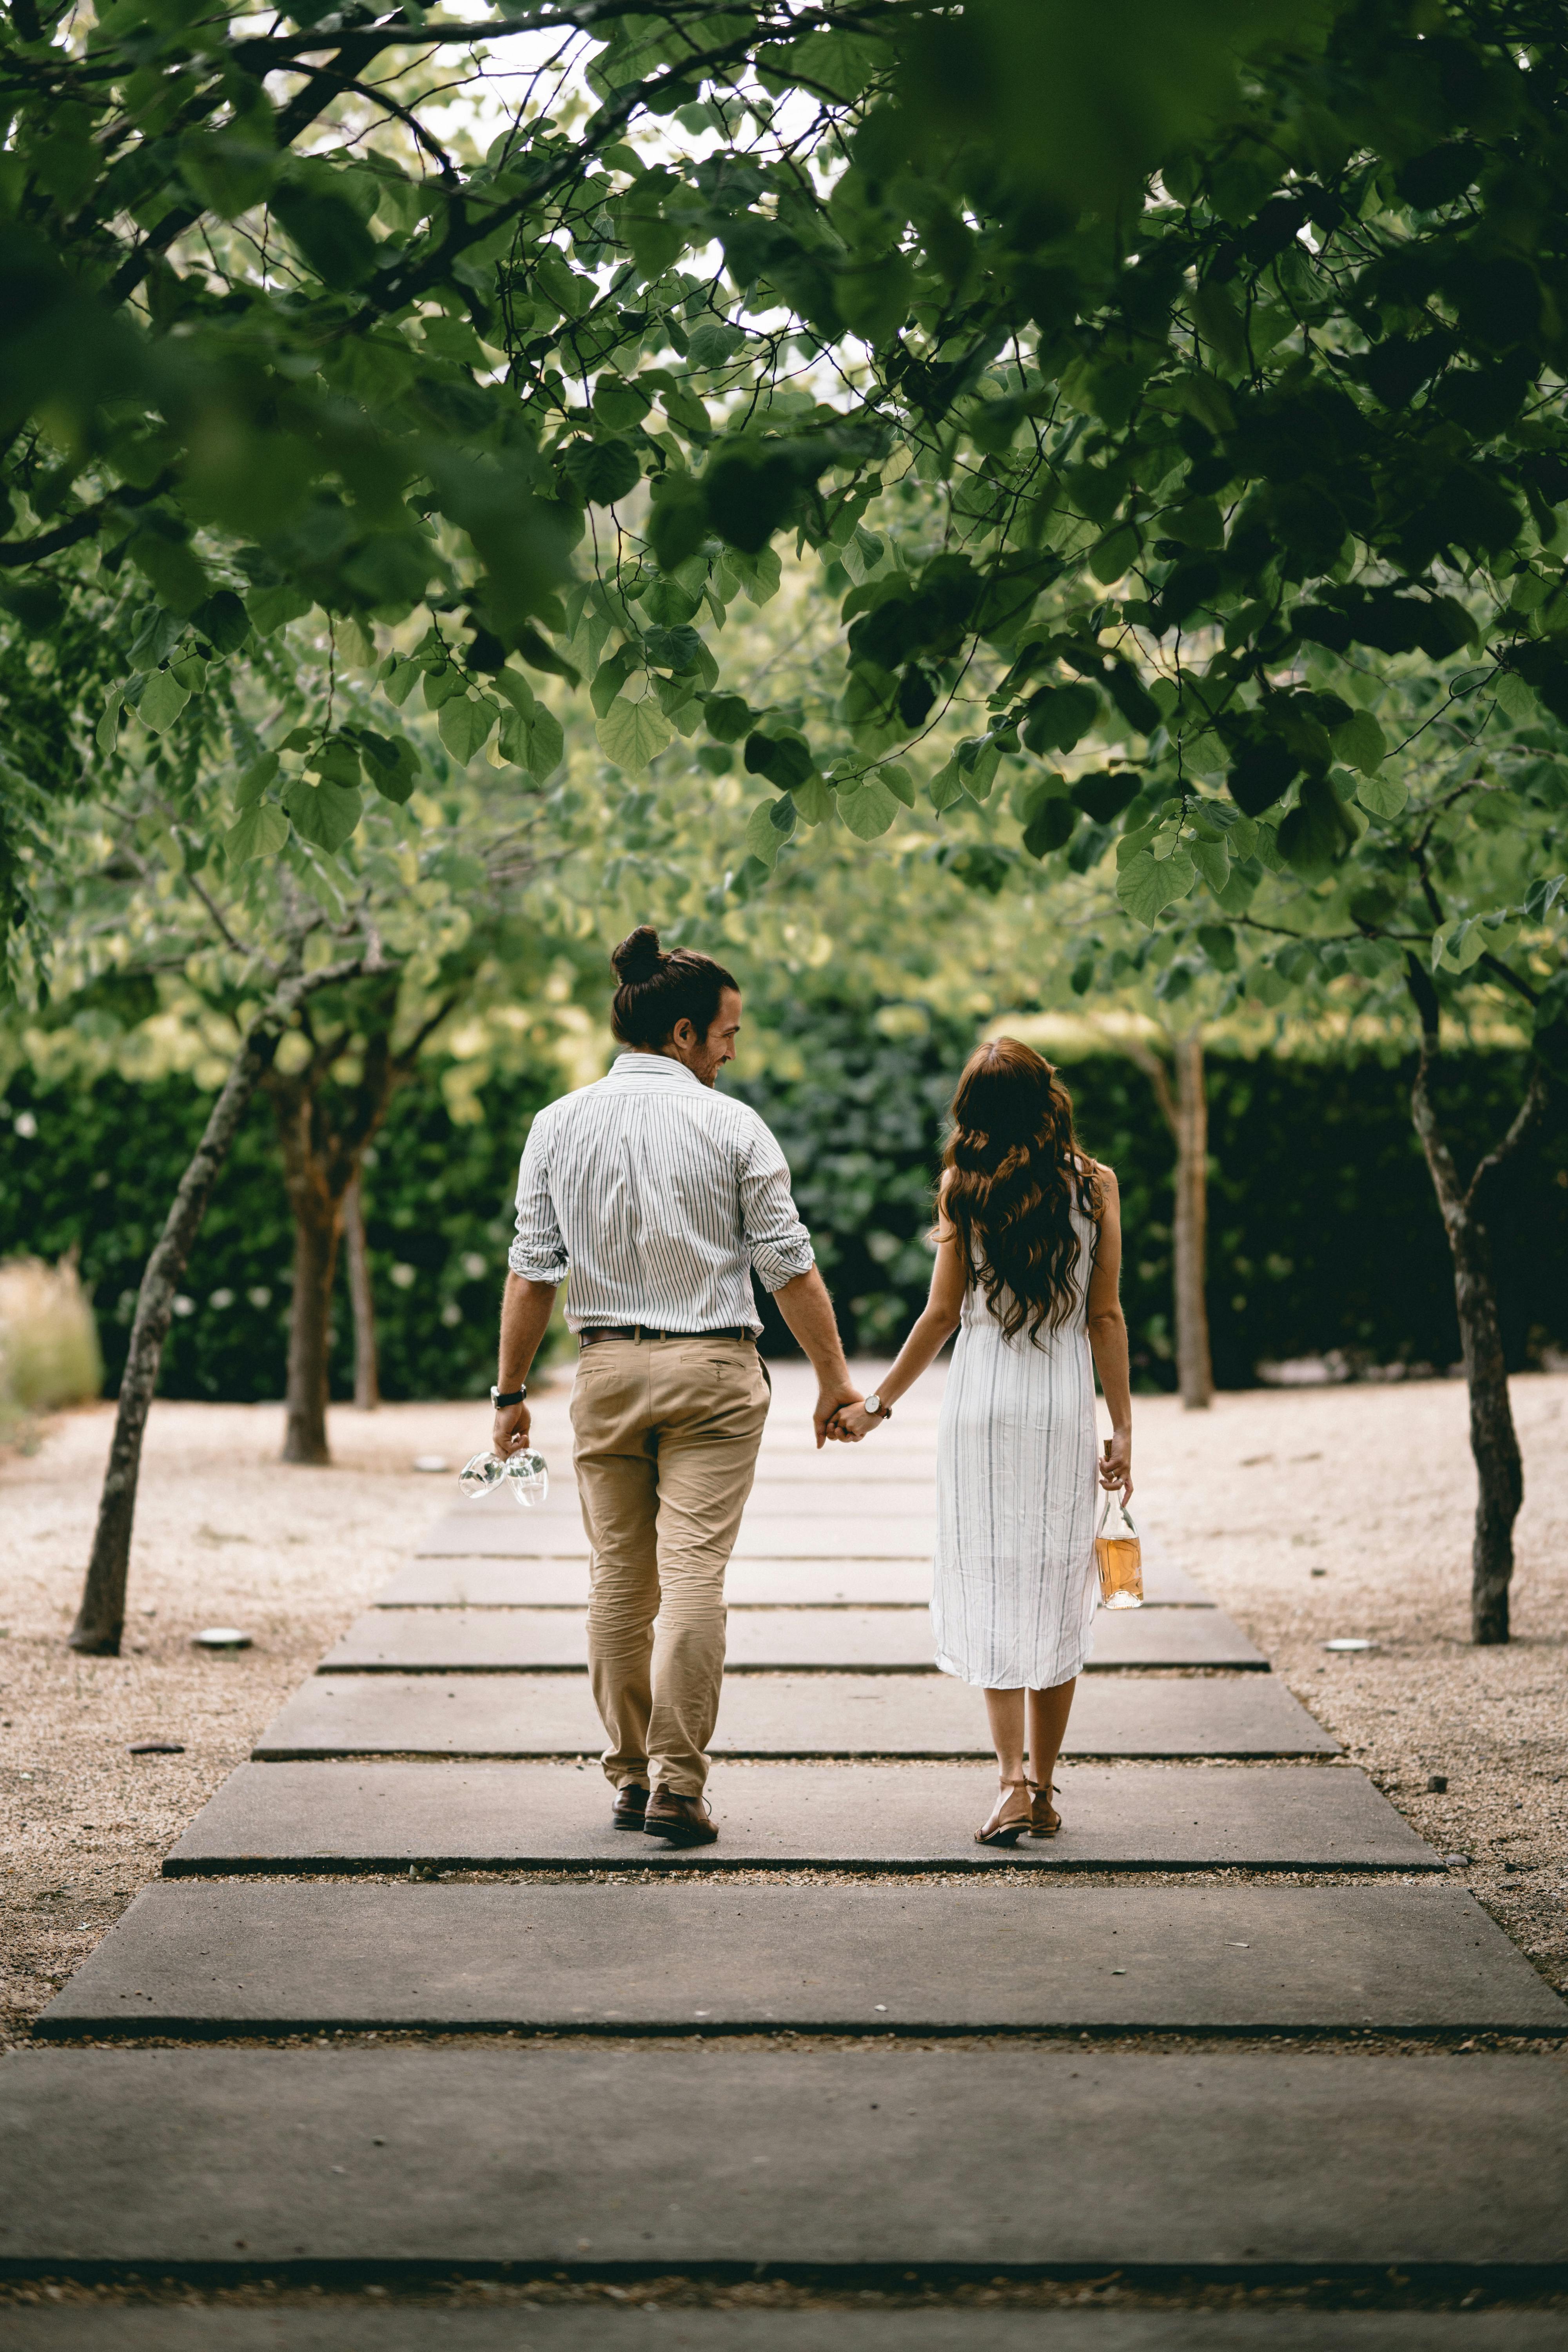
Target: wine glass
(524, 1472)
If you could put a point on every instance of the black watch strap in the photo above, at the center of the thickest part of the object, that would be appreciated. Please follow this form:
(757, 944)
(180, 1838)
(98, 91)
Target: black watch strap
(501, 1397)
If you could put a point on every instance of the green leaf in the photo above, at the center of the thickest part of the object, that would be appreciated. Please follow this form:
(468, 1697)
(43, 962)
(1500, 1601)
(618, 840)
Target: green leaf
(1050, 825)
(107, 732)
(1213, 862)
(254, 780)
(329, 233)
(162, 699)
(546, 744)
(1146, 884)
(1514, 696)
(223, 621)
(632, 734)
(602, 471)
(325, 814)
(1360, 741)
(1381, 795)
(782, 759)
(258, 832)
(899, 780)
(609, 678)
(946, 786)
(516, 689)
(1542, 895)
(270, 608)
(728, 717)
(761, 836)
(1457, 945)
(1316, 833)
(1114, 556)
(400, 680)
(867, 808)
(813, 801)
(464, 725)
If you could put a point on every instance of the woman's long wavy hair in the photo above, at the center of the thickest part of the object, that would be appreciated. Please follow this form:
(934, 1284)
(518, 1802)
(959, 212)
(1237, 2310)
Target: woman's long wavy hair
(1013, 1174)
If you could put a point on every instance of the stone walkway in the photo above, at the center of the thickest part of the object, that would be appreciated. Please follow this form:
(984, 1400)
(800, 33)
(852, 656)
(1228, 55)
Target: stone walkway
(846, 2042)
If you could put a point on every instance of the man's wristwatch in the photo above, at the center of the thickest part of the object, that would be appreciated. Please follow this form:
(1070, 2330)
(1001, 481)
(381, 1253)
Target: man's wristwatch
(873, 1405)
(508, 1396)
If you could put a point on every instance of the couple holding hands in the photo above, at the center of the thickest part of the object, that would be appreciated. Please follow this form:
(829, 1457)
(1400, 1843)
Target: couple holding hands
(658, 1197)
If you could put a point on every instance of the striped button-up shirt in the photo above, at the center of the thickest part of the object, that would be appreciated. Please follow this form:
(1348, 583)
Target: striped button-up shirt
(657, 1196)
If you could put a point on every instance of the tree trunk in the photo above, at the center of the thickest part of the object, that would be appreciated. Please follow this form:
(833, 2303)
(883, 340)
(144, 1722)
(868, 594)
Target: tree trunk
(100, 1620)
(318, 1218)
(367, 1373)
(1186, 1113)
(1195, 1363)
(1494, 1443)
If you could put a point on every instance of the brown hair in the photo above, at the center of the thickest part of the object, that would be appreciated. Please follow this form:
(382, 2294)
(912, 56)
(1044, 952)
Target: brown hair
(1012, 1175)
(657, 990)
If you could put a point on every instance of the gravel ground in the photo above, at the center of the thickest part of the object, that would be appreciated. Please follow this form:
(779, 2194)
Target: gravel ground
(1307, 1514)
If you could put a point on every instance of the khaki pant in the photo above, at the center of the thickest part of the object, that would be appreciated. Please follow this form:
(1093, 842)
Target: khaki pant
(667, 1435)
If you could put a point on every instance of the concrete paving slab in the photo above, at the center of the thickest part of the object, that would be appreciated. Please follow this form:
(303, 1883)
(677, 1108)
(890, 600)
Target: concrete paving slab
(557, 2156)
(470, 1583)
(904, 1817)
(192, 1960)
(348, 2324)
(480, 1532)
(865, 1640)
(786, 1714)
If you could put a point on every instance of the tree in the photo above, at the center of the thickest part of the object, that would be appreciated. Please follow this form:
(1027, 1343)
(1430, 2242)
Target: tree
(100, 1620)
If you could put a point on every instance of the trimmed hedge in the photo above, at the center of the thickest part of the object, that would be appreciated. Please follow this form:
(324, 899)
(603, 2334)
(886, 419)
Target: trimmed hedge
(1324, 1231)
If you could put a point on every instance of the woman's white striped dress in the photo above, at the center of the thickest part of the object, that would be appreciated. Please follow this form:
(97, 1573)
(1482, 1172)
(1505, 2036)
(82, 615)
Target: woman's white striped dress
(1014, 1590)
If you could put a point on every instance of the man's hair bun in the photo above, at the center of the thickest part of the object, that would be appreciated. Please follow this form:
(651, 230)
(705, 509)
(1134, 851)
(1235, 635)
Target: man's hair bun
(638, 958)
(658, 992)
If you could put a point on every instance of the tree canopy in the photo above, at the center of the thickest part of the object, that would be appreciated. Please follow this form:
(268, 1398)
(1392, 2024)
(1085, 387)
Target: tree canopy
(1134, 373)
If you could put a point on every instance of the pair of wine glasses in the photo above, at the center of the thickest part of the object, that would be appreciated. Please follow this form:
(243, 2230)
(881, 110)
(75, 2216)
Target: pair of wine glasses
(523, 1473)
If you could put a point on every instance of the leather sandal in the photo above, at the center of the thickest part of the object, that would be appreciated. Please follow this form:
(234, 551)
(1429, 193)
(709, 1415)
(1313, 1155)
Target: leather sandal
(1011, 1818)
(1047, 1820)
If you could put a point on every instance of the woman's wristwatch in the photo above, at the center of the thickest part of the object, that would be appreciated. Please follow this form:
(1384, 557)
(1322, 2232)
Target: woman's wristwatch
(873, 1405)
(509, 1396)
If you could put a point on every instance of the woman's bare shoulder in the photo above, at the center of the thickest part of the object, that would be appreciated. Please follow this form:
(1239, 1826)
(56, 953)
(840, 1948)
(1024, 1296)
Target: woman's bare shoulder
(1097, 1168)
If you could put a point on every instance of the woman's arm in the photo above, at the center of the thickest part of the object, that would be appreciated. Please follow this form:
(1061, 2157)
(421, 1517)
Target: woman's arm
(1108, 1341)
(933, 1327)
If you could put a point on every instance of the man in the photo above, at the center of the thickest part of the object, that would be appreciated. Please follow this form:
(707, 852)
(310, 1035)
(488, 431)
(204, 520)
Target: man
(661, 1196)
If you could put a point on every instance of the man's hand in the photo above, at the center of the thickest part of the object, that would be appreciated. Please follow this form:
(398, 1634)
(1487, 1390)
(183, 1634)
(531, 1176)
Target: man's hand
(509, 1429)
(830, 1401)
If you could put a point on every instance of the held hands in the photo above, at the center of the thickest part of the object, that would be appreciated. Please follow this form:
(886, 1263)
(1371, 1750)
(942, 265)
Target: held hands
(831, 1402)
(1115, 1463)
(852, 1422)
(509, 1429)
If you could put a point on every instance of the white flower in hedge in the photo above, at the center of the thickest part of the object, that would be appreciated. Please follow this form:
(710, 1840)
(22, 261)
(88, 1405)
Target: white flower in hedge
(221, 1298)
(403, 1277)
(183, 1306)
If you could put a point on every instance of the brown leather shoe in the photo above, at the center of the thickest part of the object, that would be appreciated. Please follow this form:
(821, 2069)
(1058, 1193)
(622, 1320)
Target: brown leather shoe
(630, 1805)
(683, 1821)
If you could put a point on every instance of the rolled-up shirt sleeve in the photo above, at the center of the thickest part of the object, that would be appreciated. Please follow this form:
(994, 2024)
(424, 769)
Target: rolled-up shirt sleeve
(537, 1254)
(779, 1244)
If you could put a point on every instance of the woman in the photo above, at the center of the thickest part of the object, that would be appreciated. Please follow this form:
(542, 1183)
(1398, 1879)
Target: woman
(1028, 1254)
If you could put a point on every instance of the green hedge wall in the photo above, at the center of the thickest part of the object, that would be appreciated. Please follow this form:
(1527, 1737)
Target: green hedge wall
(95, 1169)
(1323, 1232)
(1323, 1229)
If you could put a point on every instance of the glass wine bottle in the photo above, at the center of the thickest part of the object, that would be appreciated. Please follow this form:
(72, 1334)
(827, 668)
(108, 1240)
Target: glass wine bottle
(1119, 1552)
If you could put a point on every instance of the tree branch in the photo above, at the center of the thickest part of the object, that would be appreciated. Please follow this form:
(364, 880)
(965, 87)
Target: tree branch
(1528, 1111)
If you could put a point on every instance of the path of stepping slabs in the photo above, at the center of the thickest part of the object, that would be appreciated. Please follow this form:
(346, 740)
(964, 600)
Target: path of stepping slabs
(1222, 1872)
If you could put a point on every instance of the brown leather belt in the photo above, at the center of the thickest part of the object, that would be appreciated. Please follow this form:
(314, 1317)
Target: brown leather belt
(643, 1331)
